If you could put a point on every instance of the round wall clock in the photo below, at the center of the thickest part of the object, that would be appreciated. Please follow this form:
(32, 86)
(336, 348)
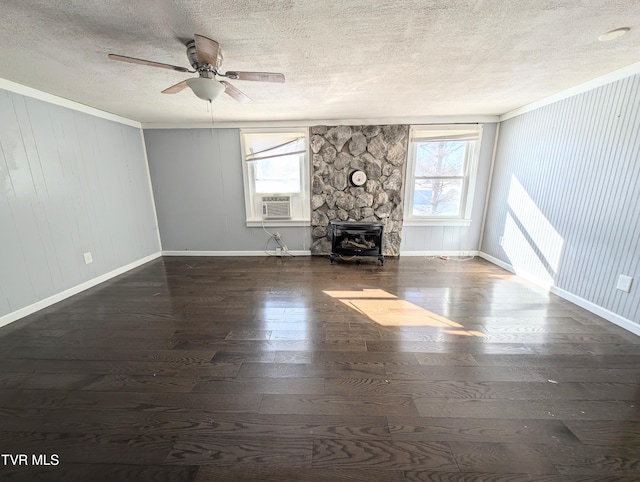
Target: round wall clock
(358, 178)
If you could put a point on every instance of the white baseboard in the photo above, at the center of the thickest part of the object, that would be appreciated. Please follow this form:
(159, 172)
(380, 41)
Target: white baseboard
(39, 305)
(497, 262)
(614, 318)
(232, 253)
(439, 253)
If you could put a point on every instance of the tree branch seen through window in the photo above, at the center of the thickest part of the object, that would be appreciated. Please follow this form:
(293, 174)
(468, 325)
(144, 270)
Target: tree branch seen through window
(439, 177)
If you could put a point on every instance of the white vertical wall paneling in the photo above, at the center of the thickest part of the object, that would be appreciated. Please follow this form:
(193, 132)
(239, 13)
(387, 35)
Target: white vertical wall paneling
(70, 182)
(602, 192)
(579, 162)
(12, 257)
(46, 163)
(629, 148)
(631, 213)
(68, 202)
(28, 185)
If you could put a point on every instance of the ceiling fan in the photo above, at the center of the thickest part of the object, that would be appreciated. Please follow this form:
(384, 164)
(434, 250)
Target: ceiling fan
(205, 58)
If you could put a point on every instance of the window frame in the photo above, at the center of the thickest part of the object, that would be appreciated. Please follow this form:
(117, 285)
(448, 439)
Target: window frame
(469, 178)
(300, 202)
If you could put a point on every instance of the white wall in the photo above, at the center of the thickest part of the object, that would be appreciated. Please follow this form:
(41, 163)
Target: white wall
(70, 183)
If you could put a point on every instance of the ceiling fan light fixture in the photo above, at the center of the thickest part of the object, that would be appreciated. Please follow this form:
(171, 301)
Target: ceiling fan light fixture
(206, 89)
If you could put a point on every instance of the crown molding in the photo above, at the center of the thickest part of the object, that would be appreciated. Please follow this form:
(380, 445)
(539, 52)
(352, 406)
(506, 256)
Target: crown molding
(627, 71)
(61, 101)
(460, 119)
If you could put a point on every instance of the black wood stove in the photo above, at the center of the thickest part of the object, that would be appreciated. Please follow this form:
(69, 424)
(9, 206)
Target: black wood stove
(356, 239)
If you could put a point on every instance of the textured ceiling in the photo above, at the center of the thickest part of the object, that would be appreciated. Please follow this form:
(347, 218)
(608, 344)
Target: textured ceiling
(347, 59)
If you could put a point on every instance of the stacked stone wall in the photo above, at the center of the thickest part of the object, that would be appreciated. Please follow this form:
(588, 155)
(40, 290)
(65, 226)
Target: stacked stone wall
(337, 151)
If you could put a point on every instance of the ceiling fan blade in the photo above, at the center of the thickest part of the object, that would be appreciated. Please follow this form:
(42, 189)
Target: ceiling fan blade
(257, 76)
(174, 89)
(236, 93)
(207, 50)
(150, 63)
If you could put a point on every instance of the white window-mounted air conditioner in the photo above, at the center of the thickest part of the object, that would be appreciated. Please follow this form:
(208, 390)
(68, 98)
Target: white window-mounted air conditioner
(276, 207)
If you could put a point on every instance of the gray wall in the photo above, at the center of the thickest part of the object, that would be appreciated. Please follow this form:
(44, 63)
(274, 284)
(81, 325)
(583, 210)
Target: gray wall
(199, 193)
(69, 183)
(566, 195)
(457, 238)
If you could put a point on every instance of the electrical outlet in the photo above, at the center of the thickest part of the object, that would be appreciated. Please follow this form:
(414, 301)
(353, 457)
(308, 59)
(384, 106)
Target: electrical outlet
(500, 240)
(624, 283)
(278, 251)
(88, 258)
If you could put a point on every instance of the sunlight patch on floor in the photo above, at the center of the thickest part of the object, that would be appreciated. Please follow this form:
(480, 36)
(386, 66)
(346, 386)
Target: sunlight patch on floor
(387, 309)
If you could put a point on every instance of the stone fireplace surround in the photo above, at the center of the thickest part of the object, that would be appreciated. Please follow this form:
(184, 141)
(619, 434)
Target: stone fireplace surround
(379, 151)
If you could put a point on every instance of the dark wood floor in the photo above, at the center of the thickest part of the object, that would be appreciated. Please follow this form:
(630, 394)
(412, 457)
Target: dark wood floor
(264, 369)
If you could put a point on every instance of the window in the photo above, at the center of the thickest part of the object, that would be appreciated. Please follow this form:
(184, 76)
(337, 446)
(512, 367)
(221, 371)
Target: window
(275, 165)
(443, 162)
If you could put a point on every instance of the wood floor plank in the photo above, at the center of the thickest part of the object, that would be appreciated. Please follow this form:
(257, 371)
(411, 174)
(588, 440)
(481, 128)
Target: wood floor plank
(230, 451)
(101, 473)
(501, 457)
(260, 474)
(385, 455)
(45, 381)
(186, 368)
(529, 409)
(112, 354)
(78, 421)
(244, 425)
(198, 343)
(590, 375)
(480, 430)
(437, 476)
(507, 390)
(343, 405)
(595, 460)
(480, 347)
(446, 359)
(262, 385)
(567, 360)
(464, 373)
(312, 370)
(609, 433)
(397, 357)
(293, 357)
(142, 383)
(162, 402)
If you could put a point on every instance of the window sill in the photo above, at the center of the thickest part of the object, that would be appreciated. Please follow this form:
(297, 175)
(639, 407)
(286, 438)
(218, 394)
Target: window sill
(437, 222)
(274, 223)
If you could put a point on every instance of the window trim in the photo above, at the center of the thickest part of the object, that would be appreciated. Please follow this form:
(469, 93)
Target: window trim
(469, 180)
(301, 199)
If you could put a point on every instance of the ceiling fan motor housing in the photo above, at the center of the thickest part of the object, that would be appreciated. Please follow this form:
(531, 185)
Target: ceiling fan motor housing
(192, 55)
